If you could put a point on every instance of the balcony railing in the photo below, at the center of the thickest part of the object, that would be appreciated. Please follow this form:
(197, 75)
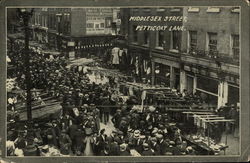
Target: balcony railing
(215, 55)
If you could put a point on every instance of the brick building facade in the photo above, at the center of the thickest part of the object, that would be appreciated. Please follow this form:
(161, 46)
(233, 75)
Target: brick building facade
(210, 54)
(204, 58)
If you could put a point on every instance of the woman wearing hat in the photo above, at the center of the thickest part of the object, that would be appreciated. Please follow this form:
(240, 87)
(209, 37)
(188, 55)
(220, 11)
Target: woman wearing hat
(89, 142)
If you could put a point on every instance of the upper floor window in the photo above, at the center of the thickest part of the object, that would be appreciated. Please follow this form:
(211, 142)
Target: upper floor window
(212, 43)
(192, 40)
(159, 39)
(135, 34)
(235, 46)
(102, 25)
(97, 25)
(146, 38)
(175, 41)
(90, 25)
(108, 22)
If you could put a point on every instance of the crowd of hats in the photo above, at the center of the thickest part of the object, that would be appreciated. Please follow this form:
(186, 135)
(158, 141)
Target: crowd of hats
(148, 133)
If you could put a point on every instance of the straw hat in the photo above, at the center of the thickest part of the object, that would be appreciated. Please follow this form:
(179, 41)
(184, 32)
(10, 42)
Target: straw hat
(123, 147)
(137, 133)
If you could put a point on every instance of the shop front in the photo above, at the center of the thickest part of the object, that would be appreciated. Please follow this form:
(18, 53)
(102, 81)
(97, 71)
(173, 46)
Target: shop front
(52, 40)
(166, 73)
(140, 64)
(208, 88)
(41, 35)
(233, 94)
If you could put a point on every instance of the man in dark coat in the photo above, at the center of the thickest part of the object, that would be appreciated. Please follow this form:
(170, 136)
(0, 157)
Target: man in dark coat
(123, 150)
(101, 141)
(114, 147)
(78, 141)
(106, 109)
(72, 132)
(117, 118)
(65, 143)
(162, 143)
(147, 151)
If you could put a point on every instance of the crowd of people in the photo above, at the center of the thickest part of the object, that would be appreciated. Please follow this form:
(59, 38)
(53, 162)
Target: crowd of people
(85, 106)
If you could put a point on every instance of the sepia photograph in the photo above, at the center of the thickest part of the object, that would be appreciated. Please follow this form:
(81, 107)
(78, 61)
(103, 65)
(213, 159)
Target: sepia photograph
(123, 81)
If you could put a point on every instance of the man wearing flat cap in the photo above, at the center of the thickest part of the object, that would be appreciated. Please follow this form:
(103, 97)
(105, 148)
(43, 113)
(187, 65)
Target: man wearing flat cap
(117, 118)
(147, 151)
(123, 150)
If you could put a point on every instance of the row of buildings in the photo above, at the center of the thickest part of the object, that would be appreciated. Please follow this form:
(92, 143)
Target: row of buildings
(204, 58)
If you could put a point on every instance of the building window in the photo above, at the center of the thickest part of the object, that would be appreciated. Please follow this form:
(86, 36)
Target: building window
(235, 46)
(102, 25)
(193, 9)
(108, 22)
(97, 25)
(192, 41)
(43, 21)
(118, 15)
(146, 38)
(35, 19)
(90, 25)
(46, 21)
(159, 39)
(174, 41)
(212, 43)
(135, 34)
(54, 21)
(213, 9)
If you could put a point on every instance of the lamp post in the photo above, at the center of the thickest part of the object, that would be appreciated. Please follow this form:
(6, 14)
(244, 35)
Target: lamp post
(26, 14)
